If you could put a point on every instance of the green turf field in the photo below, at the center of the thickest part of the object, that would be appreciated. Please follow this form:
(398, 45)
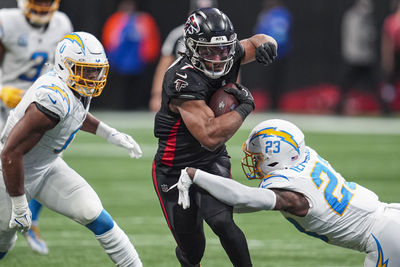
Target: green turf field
(365, 151)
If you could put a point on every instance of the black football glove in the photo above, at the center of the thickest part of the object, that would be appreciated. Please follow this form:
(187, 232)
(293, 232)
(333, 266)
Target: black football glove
(246, 100)
(266, 53)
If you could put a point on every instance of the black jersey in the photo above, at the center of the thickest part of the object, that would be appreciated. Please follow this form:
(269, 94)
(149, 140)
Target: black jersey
(176, 146)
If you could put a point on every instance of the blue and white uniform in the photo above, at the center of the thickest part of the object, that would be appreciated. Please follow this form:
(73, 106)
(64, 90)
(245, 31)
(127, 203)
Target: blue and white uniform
(48, 179)
(29, 51)
(341, 213)
(28, 48)
(43, 164)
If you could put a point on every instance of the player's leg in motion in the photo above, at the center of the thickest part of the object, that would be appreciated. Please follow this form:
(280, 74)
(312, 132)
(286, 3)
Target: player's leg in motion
(189, 234)
(66, 192)
(186, 225)
(32, 236)
(220, 219)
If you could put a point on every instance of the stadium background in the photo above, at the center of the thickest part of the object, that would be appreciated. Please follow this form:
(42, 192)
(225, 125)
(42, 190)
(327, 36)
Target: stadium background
(315, 64)
(363, 149)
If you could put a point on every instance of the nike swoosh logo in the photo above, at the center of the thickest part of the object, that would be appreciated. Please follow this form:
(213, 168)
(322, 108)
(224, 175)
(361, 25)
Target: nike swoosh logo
(183, 76)
(52, 100)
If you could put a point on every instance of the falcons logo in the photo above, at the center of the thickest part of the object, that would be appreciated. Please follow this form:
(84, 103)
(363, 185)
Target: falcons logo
(191, 25)
(179, 84)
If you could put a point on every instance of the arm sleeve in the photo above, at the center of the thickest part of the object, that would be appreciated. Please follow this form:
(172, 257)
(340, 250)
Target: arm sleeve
(243, 198)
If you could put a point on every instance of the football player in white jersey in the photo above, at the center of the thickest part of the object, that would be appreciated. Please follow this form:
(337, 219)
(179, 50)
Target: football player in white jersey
(28, 37)
(307, 191)
(40, 128)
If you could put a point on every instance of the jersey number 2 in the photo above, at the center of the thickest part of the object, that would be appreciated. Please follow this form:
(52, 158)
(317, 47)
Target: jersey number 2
(40, 58)
(338, 204)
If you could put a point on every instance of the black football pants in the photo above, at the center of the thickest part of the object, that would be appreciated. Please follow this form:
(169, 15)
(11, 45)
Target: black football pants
(187, 225)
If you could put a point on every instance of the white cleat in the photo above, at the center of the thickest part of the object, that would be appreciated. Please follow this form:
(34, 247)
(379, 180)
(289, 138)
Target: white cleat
(35, 242)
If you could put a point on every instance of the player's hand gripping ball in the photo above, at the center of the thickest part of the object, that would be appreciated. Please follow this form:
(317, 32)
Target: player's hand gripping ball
(222, 102)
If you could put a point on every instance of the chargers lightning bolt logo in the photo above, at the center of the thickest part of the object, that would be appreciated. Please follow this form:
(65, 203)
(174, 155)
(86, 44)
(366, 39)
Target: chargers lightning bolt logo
(381, 259)
(57, 89)
(286, 137)
(75, 38)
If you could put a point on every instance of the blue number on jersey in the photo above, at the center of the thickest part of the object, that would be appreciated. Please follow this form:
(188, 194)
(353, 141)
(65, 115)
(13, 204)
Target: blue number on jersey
(339, 205)
(69, 140)
(41, 58)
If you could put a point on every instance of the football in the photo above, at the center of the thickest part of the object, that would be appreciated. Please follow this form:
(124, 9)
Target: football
(221, 102)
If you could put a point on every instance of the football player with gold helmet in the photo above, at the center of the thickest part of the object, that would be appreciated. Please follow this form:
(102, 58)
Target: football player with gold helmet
(51, 113)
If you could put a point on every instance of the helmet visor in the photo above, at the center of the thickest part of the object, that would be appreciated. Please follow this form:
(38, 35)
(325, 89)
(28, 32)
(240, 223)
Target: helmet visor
(216, 53)
(215, 59)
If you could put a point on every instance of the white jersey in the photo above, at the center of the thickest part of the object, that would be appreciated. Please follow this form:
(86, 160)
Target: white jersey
(50, 92)
(341, 213)
(29, 50)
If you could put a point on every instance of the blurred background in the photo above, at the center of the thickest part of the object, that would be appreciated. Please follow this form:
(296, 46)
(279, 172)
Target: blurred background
(311, 75)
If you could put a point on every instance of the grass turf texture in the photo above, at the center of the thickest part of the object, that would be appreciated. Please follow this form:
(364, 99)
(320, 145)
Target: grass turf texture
(126, 190)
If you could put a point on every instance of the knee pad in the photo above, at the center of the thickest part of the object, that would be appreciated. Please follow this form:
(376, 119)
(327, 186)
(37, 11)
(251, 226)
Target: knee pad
(101, 224)
(88, 212)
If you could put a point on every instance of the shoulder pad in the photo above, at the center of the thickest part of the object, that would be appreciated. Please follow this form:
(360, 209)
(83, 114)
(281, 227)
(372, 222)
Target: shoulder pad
(185, 83)
(53, 98)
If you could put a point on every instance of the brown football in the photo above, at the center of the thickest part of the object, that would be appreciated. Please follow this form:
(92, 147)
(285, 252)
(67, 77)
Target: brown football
(221, 102)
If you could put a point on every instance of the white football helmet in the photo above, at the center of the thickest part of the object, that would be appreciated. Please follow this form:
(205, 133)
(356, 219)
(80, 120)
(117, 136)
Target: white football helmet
(272, 145)
(81, 62)
(39, 12)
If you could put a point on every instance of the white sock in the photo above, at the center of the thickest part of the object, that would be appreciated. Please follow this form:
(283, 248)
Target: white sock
(119, 248)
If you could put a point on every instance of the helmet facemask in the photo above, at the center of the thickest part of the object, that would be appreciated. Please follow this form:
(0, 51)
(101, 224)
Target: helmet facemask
(215, 59)
(88, 79)
(39, 12)
(251, 164)
(210, 42)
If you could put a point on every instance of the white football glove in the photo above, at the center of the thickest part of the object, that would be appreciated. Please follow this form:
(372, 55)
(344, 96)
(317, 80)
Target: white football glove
(119, 139)
(21, 216)
(127, 142)
(184, 184)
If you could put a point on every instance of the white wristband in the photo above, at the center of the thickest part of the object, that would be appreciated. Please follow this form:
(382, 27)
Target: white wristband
(104, 130)
(19, 202)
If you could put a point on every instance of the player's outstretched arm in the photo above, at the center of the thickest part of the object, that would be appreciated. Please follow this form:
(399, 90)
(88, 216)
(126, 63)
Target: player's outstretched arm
(260, 47)
(113, 136)
(243, 198)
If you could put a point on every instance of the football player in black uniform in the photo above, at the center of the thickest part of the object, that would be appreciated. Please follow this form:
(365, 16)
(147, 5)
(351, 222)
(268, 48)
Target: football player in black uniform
(190, 135)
